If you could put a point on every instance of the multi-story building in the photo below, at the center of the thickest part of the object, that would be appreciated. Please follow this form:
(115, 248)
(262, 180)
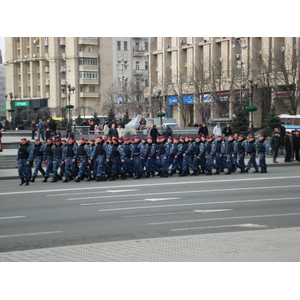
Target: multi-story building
(131, 73)
(39, 70)
(103, 71)
(196, 78)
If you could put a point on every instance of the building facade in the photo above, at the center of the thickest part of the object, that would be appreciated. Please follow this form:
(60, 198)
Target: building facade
(193, 79)
(39, 70)
(103, 72)
(130, 74)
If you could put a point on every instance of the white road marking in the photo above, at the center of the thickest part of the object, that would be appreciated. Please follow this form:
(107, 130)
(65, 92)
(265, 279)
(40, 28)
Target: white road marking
(199, 203)
(223, 226)
(210, 210)
(160, 214)
(176, 213)
(189, 192)
(120, 191)
(219, 219)
(161, 199)
(126, 185)
(26, 234)
(13, 217)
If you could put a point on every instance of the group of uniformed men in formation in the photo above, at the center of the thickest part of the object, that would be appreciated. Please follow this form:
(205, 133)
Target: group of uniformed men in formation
(112, 158)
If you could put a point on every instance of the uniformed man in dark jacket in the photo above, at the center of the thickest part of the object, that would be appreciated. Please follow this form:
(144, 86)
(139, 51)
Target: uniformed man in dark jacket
(39, 157)
(24, 160)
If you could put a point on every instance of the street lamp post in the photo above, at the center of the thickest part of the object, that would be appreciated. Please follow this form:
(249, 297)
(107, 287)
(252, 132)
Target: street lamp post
(11, 110)
(124, 65)
(251, 108)
(160, 114)
(67, 91)
(240, 63)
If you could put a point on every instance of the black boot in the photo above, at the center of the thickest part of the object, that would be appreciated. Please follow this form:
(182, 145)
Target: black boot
(228, 172)
(66, 180)
(242, 170)
(217, 172)
(112, 178)
(53, 179)
(22, 181)
(89, 178)
(77, 179)
(256, 171)
(33, 179)
(208, 173)
(246, 171)
(27, 182)
(45, 179)
(165, 175)
(97, 178)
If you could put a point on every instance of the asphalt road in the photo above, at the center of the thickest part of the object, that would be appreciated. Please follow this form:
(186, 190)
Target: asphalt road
(45, 215)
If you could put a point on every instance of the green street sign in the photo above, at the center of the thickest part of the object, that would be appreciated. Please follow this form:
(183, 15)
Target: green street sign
(22, 103)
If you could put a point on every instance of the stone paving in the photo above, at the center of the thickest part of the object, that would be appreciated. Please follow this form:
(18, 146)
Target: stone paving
(267, 245)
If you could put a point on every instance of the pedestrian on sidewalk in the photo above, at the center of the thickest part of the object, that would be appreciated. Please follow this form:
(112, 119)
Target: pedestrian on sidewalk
(288, 147)
(275, 143)
(33, 128)
(1, 150)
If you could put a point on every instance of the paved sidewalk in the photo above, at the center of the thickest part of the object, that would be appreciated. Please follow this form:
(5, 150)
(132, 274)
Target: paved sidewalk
(268, 245)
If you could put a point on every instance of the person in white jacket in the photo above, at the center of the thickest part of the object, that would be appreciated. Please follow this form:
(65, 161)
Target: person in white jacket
(120, 131)
(217, 130)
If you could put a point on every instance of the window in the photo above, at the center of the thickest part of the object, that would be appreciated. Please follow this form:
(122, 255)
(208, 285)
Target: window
(146, 46)
(92, 89)
(83, 61)
(91, 49)
(137, 65)
(118, 45)
(137, 46)
(125, 46)
(146, 65)
(88, 75)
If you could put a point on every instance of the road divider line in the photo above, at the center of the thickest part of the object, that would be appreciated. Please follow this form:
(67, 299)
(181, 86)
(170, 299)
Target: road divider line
(28, 234)
(184, 192)
(176, 213)
(126, 201)
(12, 217)
(126, 185)
(194, 204)
(160, 199)
(205, 211)
(121, 191)
(222, 226)
(220, 219)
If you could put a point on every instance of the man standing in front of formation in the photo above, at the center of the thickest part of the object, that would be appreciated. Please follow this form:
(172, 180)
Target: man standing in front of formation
(24, 161)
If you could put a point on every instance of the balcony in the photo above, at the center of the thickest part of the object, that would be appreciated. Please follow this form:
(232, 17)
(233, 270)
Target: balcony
(88, 81)
(88, 41)
(138, 52)
(88, 54)
(88, 95)
(88, 68)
